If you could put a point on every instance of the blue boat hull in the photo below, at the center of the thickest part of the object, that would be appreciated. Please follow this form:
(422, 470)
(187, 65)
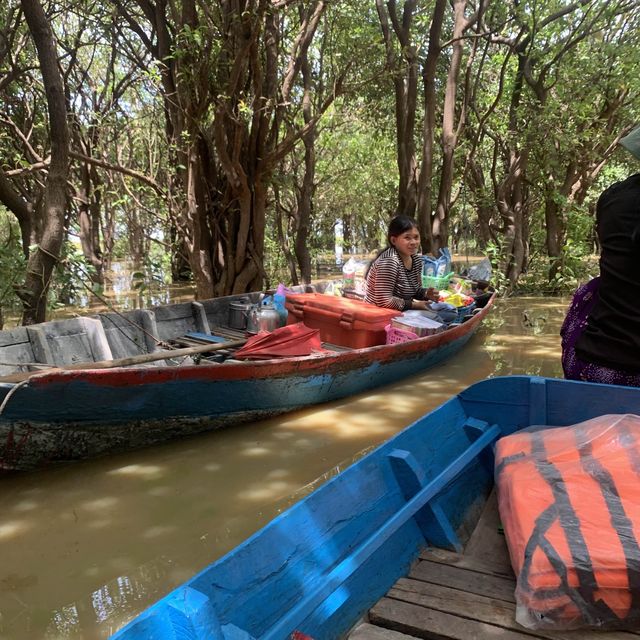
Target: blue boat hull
(319, 566)
(64, 415)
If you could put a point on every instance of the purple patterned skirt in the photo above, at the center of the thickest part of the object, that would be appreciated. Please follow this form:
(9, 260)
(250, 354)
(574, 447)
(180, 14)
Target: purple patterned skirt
(574, 324)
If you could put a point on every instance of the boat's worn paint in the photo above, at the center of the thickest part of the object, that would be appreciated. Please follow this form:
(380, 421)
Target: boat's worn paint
(64, 415)
(320, 565)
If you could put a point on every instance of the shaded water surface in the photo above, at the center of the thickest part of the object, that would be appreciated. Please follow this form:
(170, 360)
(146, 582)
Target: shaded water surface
(87, 546)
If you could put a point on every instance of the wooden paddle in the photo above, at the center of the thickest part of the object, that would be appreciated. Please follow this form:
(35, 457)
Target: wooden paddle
(125, 362)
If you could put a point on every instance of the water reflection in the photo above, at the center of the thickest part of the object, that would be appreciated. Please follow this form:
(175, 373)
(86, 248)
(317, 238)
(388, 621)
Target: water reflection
(124, 290)
(119, 294)
(87, 546)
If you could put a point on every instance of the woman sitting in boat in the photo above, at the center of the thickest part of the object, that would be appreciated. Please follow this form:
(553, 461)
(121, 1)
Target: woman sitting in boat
(394, 276)
(601, 333)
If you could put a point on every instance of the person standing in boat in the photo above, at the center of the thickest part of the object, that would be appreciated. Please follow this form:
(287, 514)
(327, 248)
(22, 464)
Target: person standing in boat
(394, 277)
(601, 333)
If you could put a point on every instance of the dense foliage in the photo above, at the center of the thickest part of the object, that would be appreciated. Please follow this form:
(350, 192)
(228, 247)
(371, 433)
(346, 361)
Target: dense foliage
(226, 142)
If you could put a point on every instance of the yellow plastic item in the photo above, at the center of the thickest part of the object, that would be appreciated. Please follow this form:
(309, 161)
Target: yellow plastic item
(457, 299)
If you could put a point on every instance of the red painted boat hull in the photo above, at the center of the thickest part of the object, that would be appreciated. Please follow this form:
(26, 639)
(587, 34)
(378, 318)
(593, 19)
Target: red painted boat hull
(66, 415)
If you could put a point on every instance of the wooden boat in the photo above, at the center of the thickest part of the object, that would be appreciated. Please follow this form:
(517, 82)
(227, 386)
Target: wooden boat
(318, 568)
(88, 386)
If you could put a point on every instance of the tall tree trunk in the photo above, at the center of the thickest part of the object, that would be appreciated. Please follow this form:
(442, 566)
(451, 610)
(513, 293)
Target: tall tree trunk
(579, 173)
(450, 132)
(511, 189)
(424, 202)
(484, 205)
(42, 260)
(555, 223)
(305, 204)
(220, 72)
(405, 73)
(513, 207)
(21, 209)
(89, 221)
(307, 189)
(281, 214)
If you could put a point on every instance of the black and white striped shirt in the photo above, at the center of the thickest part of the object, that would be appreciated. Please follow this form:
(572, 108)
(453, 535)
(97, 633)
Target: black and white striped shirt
(391, 285)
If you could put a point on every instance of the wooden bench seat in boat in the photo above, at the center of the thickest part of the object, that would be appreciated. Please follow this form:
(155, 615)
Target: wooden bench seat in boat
(130, 333)
(462, 596)
(16, 352)
(173, 320)
(71, 341)
(106, 336)
(63, 342)
(55, 343)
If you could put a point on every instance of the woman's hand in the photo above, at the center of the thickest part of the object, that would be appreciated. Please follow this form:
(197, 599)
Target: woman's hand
(432, 294)
(423, 305)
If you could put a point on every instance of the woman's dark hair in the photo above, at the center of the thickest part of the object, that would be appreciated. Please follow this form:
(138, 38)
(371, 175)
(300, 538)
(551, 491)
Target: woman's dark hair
(400, 225)
(397, 226)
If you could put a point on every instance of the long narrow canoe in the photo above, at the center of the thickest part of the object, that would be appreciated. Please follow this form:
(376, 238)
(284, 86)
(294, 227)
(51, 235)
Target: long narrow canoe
(318, 567)
(83, 405)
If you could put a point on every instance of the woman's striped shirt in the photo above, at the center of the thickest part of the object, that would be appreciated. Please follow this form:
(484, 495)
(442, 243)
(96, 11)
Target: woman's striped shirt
(390, 284)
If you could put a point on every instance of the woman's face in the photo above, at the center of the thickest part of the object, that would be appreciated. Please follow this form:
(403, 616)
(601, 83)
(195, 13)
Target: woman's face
(407, 243)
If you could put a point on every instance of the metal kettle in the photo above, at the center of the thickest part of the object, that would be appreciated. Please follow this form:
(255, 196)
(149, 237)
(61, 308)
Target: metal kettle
(262, 318)
(239, 312)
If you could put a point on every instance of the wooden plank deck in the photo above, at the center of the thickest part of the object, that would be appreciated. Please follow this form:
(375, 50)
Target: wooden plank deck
(468, 596)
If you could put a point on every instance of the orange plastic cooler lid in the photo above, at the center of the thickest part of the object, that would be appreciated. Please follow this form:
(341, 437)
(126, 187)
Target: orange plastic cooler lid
(358, 314)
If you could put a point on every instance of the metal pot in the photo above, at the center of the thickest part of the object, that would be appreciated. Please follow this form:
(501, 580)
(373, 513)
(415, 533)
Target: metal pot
(239, 312)
(263, 318)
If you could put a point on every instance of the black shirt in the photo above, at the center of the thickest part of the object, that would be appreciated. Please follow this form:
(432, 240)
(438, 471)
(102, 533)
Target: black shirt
(612, 335)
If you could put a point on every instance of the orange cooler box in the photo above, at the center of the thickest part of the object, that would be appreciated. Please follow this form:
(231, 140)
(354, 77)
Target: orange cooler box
(341, 321)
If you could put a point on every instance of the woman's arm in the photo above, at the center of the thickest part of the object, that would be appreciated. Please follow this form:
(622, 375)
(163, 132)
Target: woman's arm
(420, 304)
(381, 283)
(428, 294)
(422, 293)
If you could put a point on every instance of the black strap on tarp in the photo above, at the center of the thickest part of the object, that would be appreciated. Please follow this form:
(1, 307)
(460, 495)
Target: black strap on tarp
(620, 522)
(583, 596)
(562, 511)
(594, 611)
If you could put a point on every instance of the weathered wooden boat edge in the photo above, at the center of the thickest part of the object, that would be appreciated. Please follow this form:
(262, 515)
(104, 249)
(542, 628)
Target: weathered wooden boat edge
(277, 365)
(117, 410)
(321, 575)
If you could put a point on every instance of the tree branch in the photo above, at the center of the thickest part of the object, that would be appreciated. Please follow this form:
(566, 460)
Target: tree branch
(119, 169)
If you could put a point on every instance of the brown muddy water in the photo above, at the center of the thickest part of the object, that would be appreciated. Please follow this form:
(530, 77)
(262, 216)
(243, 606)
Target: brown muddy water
(87, 546)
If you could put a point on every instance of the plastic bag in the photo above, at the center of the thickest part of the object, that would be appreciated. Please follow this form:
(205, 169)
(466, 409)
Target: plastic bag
(447, 313)
(455, 299)
(437, 267)
(443, 263)
(360, 284)
(569, 501)
(429, 266)
(421, 323)
(279, 302)
(480, 271)
(349, 274)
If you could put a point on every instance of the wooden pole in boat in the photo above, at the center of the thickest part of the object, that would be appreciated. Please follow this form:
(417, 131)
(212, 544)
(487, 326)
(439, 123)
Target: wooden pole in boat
(125, 362)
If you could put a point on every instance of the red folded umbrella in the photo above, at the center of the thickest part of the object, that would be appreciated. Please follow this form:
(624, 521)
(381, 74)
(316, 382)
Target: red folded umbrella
(291, 340)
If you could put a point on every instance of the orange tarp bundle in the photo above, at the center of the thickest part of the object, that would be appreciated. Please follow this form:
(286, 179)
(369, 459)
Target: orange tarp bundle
(569, 500)
(284, 342)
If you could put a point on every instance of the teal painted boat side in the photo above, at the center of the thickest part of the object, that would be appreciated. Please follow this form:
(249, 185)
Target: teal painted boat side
(319, 566)
(66, 415)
